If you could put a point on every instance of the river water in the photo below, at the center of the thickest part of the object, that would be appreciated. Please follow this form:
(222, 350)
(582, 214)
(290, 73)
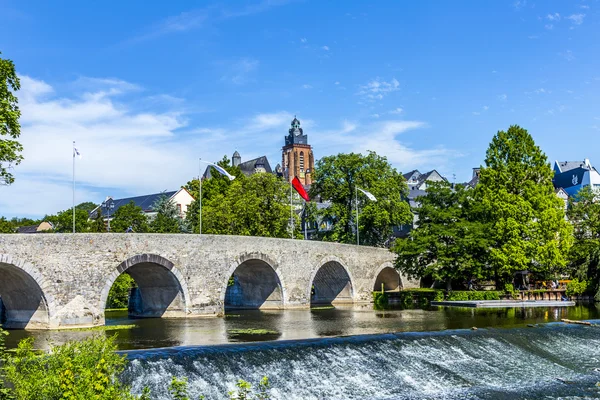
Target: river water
(403, 354)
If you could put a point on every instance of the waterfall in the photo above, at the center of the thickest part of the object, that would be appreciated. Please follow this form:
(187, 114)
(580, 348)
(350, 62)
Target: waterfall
(526, 363)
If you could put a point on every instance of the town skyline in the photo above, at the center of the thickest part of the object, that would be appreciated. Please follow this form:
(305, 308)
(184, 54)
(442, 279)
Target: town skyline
(144, 98)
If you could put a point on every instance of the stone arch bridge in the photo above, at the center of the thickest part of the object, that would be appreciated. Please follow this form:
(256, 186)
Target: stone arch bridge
(50, 281)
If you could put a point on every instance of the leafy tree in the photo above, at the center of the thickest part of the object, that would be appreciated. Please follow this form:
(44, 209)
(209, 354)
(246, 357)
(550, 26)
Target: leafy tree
(10, 148)
(63, 221)
(527, 225)
(167, 219)
(336, 178)
(214, 191)
(118, 296)
(6, 226)
(449, 243)
(97, 224)
(127, 216)
(584, 258)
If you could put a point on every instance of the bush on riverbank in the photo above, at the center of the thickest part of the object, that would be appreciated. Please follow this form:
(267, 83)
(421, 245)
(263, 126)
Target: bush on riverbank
(86, 369)
(422, 297)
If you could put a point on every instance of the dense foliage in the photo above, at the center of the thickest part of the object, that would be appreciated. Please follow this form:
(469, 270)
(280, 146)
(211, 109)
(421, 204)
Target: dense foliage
(168, 218)
(256, 205)
(527, 226)
(335, 180)
(450, 242)
(584, 214)
(10, 129)
(118, 296)
(127, 216)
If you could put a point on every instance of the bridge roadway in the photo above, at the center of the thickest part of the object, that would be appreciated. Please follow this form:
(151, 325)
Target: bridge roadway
(50, 281)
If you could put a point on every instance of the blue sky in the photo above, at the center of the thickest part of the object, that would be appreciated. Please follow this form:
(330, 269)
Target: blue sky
(145, 88)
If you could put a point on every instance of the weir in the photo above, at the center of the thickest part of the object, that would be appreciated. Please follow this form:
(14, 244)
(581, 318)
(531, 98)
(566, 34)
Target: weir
(63, 280)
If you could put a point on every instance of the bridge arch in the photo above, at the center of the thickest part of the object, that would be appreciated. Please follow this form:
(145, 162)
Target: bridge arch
(254, 281)
(387, 275)
(330, 282)
(24, 294)
(162, 289)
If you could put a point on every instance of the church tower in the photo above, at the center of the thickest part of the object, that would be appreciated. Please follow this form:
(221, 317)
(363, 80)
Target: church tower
(297, 156)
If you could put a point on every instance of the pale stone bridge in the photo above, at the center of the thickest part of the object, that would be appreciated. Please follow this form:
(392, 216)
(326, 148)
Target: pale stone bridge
(50, 281)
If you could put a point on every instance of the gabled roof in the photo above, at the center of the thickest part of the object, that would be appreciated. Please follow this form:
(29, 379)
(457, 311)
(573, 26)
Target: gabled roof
(570, 178)
(408, 175)
(248, 167)
(564, 166)
(424, 177)
(146, 202)
(28, 229)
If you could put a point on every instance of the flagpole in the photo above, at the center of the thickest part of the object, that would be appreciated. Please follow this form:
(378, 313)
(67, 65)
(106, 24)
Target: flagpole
(305, 218)
(356, 204)
(200, 196)
(73, 186)
(291, 208)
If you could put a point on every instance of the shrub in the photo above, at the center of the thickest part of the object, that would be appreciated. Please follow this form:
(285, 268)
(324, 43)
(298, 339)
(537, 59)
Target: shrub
(380, 300)
(474, 295)
(576, 288)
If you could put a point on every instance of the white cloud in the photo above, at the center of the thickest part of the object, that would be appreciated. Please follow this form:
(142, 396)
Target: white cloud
(549, 26)
(553, 17)
(485, 108)
(576, 19)
(375, 115)
(567, 55)
(376, 89)
(336, 83)
(303, 40)
(239, 71)
(306, 86)
(584, 6)
(326, 48)
(397, 111)
(502, 97)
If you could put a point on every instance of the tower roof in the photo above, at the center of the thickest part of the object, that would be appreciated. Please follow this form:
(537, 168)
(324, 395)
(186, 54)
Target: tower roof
(236, 154)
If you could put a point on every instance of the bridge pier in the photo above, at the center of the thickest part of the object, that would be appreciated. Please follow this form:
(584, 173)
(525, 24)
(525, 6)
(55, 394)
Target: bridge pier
(62, 280)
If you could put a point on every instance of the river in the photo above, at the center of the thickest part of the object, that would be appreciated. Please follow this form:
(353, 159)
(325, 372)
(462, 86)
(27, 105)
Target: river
(360, 353)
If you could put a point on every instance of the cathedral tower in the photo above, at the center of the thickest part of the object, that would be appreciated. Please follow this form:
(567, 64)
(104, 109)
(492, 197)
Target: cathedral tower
(297, 156)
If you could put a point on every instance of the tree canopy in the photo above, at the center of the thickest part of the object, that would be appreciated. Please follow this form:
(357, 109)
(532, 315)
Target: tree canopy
(584, 214)
(167, 219)
(127, 216)
(527, 226)
(335, 179)
(10, 129)
(449, 243)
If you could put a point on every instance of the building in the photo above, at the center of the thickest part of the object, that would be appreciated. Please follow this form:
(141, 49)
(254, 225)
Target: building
(254, 166)
(297, 156)
(182, 199)
(41, 227)
(572, 176)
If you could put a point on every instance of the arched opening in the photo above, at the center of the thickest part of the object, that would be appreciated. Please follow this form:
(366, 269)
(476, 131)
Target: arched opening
(331, 285)
(301, 161)
(152, 287)
(22, 301)
(254, 284)
(389, 278)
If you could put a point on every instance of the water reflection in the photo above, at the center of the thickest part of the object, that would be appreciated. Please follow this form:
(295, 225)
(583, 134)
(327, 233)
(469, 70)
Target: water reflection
(256, 325)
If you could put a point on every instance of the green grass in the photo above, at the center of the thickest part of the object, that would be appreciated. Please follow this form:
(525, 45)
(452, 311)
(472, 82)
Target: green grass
(251, 331)
(322, 308)
(100, 328)
(115, 309)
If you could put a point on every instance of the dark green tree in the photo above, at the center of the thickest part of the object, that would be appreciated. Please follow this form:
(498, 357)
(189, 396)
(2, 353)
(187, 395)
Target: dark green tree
(167, 219)
(10, 129)
(527, 225)
(6, 226)
(97, 223)
(584, 258)
(63, 221)
(335, 179)
(449, 244)
(127, 216)
(118, 296)
(86, 206)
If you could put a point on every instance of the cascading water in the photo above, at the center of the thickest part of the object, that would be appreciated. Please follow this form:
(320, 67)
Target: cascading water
(549, 361)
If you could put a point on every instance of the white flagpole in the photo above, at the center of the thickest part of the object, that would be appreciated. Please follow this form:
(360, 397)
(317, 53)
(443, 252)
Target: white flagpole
(305, 218)
(200, 196)
(291, 207)
(73, 186)
(356, 203)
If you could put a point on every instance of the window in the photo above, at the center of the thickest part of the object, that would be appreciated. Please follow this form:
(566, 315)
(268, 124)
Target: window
(301, 161)
(179, 209)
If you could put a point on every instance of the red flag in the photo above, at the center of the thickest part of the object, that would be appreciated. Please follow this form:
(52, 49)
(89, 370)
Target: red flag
(298, 186)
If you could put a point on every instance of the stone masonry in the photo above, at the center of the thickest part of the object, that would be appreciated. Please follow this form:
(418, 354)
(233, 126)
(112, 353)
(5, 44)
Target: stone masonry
(50, 281)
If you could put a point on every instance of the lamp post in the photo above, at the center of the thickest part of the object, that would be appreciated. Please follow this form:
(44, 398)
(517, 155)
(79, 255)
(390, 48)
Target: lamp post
(108, 205)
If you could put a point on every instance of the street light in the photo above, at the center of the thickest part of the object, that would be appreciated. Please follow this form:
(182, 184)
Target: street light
(108, 205)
